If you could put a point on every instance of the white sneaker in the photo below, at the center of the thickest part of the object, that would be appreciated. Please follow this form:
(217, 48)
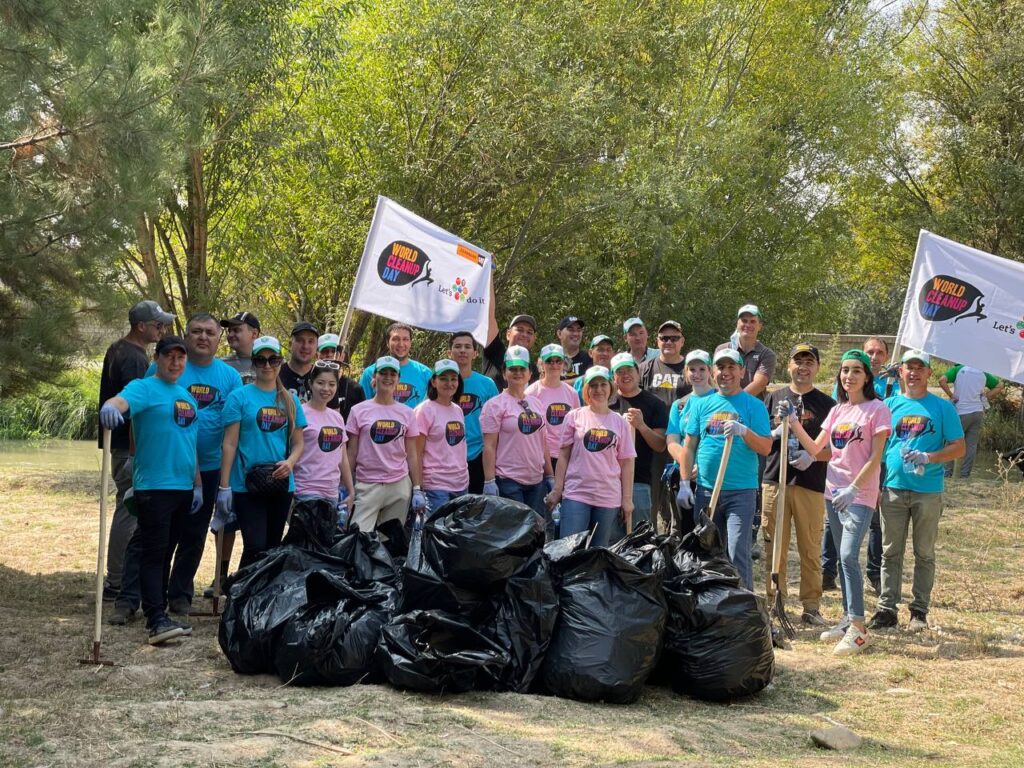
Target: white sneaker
(837, 632)
(854, 641)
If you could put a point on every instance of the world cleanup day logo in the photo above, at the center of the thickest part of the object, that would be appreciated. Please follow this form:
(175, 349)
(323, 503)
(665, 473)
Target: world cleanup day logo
(950, 298)
(402, 263)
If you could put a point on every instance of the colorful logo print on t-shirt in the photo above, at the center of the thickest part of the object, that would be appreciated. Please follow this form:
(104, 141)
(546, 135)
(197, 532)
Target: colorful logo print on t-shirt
(910, 427)
(845, 434)
(385, 430)
(454, 432)
(529, 422)
(468, 403)
(598, 438)
(330, 438)
(716, 422)
(204, 394)
(270, 418)
(556, 413)
(403, 391)
(184, 413)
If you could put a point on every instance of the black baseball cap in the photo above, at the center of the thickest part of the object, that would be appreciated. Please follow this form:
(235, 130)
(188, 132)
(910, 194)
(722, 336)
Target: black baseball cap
(167, 343)
(805, 349)
(528, 319)
(305, 326)
(242, 318)
(567, 321)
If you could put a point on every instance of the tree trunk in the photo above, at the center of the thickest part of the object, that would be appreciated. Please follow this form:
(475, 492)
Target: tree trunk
(195, 259)
(145, 234)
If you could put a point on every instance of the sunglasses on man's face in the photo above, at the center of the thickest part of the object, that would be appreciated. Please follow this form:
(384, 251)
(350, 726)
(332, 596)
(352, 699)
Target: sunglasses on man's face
(673, 339)
(328, 364)
(261, 362)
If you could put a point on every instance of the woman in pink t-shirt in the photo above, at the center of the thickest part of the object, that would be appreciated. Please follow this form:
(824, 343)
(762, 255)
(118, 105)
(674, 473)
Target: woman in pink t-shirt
(383, 454)
(557, 397)
(516, 461)
(594, 480)
(852, 440)
(323, 470)
(442, 440)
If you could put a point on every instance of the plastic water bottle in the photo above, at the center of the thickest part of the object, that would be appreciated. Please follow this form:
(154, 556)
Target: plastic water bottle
(556, 515)
(794, 445)
(342, 508)
(908, 466)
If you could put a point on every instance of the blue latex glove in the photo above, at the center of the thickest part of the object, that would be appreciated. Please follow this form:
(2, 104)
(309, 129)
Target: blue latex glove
(110, 417)
(549, 485)
(784, 410)
(801, 460)
(684, 499)
(419, 500)
(197, 499)
(843, 498)
(666, 475)
(491, 488)
(224, 512)
(733, 428)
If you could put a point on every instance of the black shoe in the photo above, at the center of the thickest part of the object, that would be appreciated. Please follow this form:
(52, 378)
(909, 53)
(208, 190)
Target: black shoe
(165, 630)
(918, 621)
(883, 619)
(179, 606)
(828, 583)
(110, 594)
(121, 615)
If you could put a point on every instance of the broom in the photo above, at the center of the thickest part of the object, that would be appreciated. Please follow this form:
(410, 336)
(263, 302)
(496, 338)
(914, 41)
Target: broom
(779, 606)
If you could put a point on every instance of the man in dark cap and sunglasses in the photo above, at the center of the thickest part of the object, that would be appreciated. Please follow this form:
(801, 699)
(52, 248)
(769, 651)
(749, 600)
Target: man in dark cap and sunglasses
(242, 330)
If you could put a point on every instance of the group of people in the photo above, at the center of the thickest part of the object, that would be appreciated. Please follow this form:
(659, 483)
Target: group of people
(590, 439)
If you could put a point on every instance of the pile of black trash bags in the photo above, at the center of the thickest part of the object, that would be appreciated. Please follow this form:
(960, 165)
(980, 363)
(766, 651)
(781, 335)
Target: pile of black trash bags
(473, 600)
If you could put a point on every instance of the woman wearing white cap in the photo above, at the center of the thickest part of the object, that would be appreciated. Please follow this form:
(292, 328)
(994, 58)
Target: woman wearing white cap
(442, 439)
(516, 461)
(594, 481)
(323, 470)
(383, 453)
(555, 395)
(263, 441)
(698, 376)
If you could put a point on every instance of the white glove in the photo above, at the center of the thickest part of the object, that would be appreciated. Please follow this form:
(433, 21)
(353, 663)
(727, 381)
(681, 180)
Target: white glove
(801, 460)
(917, 458)
(419, 500)
(844, 497)
(491, 488)
(733, 428)
(684, 499)
(197, 499)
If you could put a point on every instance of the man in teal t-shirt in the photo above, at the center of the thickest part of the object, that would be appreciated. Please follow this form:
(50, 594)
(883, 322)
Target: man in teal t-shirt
(926, 432)
(164, 418)
(730, 412)
(477, 389)
(414, 376)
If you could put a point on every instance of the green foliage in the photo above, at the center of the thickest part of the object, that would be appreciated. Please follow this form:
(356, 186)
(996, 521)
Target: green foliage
(66, 408)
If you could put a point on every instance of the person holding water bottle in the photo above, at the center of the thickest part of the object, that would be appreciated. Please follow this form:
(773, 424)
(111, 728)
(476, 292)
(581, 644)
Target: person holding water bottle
(852, 439)
(442, 440)
(926, 433)
(323, 471)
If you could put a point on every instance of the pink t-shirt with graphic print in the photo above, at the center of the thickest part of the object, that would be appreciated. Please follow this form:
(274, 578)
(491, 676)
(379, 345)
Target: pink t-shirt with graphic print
(521, 436)
(445, 466)
(851, 429)
(318, 472)
(382, 429)
(599, 442)
(557, 402)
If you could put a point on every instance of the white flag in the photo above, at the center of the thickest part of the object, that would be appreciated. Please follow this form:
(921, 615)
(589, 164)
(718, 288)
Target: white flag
(966, 306)
(415, 272)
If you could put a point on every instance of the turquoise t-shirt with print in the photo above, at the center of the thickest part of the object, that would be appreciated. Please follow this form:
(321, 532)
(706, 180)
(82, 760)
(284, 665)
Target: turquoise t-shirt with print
(707, 418)
(679, 413)
(477, 389)
(262, 430)
(165, 426)
(210, 385)
(923, 424)
(412, 383)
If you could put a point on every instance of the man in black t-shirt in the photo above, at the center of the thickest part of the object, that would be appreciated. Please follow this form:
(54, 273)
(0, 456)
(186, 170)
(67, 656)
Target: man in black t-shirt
(805, 487)
(649, 417)
(125, 361)
(521, 332)
(664, 377)
(570, 336)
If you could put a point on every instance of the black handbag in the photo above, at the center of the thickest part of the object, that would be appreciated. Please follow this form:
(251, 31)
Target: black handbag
(259, 479)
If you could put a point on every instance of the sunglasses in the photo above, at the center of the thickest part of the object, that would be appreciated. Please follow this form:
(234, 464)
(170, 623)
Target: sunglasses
(328, 364)
(670, 338)
(553, 361)
(261, 362)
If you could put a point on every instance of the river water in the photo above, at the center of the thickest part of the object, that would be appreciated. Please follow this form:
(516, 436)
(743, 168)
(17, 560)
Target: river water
(70, 455)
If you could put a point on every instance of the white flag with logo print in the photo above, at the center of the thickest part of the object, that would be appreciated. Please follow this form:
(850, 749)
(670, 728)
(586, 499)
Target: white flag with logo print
(415, 272)
(966, 306)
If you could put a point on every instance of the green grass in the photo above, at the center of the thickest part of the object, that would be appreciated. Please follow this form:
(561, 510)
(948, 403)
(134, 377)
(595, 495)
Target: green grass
(65, 408)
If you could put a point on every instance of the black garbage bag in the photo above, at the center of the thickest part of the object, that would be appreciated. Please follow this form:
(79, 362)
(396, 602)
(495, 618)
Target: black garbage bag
(333, 641)
(609, 629)
(645, 549)
(559, 549)
(477, 541)
(313, 524)
(261, 598)
(718, 643)
(522, 622)
(366, 558)
(435, 652)
(423, 588)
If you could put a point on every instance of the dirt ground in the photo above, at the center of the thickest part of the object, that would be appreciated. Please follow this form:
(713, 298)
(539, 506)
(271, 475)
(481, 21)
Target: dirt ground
(950, 696)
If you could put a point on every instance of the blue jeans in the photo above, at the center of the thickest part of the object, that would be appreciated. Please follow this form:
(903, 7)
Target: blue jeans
(874, 568)
(436, 498)
(641, 503)
(734, 519)
(578, 516)
(530, 495)
(847, 530)
(829, 556)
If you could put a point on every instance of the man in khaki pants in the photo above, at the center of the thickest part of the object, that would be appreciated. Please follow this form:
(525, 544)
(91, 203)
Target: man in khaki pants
(805, 499)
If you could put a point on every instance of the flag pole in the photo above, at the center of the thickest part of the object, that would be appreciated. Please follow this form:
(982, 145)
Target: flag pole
(908, 300)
